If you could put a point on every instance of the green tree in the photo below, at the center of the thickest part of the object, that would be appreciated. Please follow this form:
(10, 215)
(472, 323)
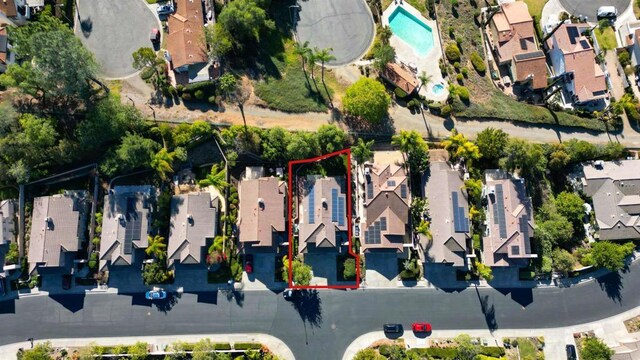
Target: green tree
(138, 351)
(460, 148)
(595, 349)
(610, 256)
(146, 59)
(465, 348)
(349, 271)
(555, 229)
(13, 254)
(367, 99)
(383, 55)
(331, 138)
(580, 150)
(227, 83)
(571, 206)
(361, 152)
(484, 271)
(414, 148)
(474, 189)
(526, 158)
(491, 144)
(134, 152)
(246, 21)
(384, 34)
(217, 178)
(219, 41)
(324, 56)
(162, 161)
(424, 228)
(42, 351)
(155, 273)
(157, 247)
(274, 145)
(302, 50)
(303, 145)
(562, 261)
(301, 271)
(368, 354)
(558, 159)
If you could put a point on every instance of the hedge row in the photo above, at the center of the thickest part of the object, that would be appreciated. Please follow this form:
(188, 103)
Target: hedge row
(247, 346)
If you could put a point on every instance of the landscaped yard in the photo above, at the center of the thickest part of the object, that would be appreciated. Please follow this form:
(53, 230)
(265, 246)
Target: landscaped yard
(487, 102)
(633, 324)
(526, 349)
(606, 38)
(535, 7)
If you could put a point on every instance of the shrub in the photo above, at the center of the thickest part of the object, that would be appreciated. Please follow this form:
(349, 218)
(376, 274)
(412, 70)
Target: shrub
(212, 100)
(199, 94)
(349, 271)
(465, 72)
(236, 271)
(478, 63)
(454, 3)
(13, 254)
(186, 96)
(180, 88)
(493, 351)
(460, 78)
(96, 241)
(93, 260)
(452, 52)
(624, 58)
(222, 346)
(389, 350)
(206, 86)
(147, 73)
(446, 110)
(476, 13)
(526, 274)
(632, 112)
(456, 66)
(247, 346)
(451, 33)
(400, 94)
(463, 93)
(435, 107)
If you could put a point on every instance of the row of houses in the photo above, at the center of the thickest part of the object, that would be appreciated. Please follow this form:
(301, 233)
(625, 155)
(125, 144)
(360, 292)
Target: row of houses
(565, 61)
(320, 222)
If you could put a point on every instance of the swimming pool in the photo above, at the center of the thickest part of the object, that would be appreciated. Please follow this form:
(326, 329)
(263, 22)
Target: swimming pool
(437, 89)
(411, 30)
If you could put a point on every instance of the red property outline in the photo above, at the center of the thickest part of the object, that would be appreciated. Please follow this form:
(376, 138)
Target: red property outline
(346, 152)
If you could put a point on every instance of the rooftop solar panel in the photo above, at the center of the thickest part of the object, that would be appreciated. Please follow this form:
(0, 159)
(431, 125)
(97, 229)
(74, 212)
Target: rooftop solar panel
(334, 205)
(500, 211)
(370, 190)
(341, 216)
(391, 183)
(403, 191)
(383, 223)
(312, 204)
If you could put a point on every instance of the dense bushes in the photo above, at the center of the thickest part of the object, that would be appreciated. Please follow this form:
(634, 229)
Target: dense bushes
(247, 346)
(452, 52)
(400, 94)
(463, 94)
(478, 63)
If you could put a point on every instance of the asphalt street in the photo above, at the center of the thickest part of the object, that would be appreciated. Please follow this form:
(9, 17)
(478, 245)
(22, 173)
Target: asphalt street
(345, 26)
(112, 30)
(590, 7)
(320, 325)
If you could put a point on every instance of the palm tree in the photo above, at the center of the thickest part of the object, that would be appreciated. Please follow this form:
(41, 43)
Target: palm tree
(302, 50)
(407, 141)
(162, 163)
(323, 56)
(156, 248)
(424, 79)
(311, 59)
(384, 34)
(216, 178)
(362, 151)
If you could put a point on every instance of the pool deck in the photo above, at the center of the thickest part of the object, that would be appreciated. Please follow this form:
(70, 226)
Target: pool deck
(427, 63)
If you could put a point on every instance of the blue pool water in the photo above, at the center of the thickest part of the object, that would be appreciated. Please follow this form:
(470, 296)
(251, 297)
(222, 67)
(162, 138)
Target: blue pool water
(437, 89)
(411, 30)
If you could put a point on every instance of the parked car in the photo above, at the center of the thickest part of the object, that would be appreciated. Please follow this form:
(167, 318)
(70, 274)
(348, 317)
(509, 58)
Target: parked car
(392, 328)
(421, 327)
(166, 9)
(154, 36)
(607, 12)
(571, 352)
(156, 294)
(66, 281)
(248, 263)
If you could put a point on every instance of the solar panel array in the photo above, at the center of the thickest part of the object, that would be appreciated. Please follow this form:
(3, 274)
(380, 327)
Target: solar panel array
(133, 226)
(460, 217)
(524, 226)
(369, 190)
(383, 223)
(391, 183)
(403, 191)
(334, 202)
(372, 235)
(498, 211)
(312, 205)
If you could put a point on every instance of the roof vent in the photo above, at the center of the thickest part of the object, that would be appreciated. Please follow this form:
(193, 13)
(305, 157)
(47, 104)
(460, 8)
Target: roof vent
(120, 217)
(324, 203)
(48, 222)
(261, 203)
(598, 164)
(190, 219)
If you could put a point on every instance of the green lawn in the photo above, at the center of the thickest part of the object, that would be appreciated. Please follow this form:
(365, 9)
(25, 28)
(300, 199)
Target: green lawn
(535, 7)
(527, 349)
(606, 38)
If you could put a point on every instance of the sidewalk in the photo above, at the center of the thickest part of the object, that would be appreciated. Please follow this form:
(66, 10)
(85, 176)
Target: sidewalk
(612, 331)
(158, 343)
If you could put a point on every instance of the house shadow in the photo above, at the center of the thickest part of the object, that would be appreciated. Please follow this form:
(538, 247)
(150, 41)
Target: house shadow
(309, 306)
(71, 302)
(523, 296)
(138, 299)
(207, 297)
(612, 286)
(442, 276)
(8, 306)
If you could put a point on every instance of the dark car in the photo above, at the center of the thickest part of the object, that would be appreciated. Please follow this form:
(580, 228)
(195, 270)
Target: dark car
(2, 288)
(154, 36)
(66, 281)
(248, 263)
(165, 9)
(421, 327)
(571, 352)
(392, 328)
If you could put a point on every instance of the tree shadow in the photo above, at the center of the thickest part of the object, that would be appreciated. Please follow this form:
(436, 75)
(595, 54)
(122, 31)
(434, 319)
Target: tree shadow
(309, 306)
(71, 302)
(165, 305)
(86, 25)
(448, 123)
(612, 285)
(488, 310)
(238, 296)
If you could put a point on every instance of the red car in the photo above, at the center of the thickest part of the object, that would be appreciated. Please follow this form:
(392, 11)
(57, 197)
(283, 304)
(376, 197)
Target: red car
(248, 263)
(421, 327)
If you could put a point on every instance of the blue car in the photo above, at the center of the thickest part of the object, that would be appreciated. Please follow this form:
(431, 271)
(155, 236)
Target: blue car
(156, 294)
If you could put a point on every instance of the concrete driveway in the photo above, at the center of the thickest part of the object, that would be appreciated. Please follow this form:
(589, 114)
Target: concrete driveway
(590, 7)
(346, 26)
(113, 30)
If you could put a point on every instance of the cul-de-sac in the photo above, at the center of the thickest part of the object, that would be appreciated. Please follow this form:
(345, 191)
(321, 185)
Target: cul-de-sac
(320, 179)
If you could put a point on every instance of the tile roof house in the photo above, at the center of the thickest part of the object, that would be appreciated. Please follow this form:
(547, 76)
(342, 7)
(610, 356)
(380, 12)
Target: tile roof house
(7, 217)
(185, 42)
(571, 53)
(514, 42)
(401, 77)
(262, 214)
(507, 241)
(194, 218)
(448, 209)
(386, 209)
(58, 225)
(125, 224)
(615, 190)
(323, 217)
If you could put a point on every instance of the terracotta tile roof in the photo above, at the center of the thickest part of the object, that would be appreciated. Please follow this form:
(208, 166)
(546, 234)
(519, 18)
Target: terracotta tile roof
(3, 45)
(401, 77)
(57, 228)
(533, 66)
(193, 222)
(262, 210)
(615, 190)
(8, 7)
(510, 218)
(185, 41)
(317, 224)
(388, 205)
(579, 58)
(515, 31)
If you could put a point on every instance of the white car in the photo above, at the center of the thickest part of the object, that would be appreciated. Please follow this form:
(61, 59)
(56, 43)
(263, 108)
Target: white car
(607, 12)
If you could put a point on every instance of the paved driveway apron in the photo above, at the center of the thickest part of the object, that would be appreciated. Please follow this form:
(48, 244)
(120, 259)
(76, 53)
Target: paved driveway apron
(113, 30)
(344, 25)
(590, 7)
